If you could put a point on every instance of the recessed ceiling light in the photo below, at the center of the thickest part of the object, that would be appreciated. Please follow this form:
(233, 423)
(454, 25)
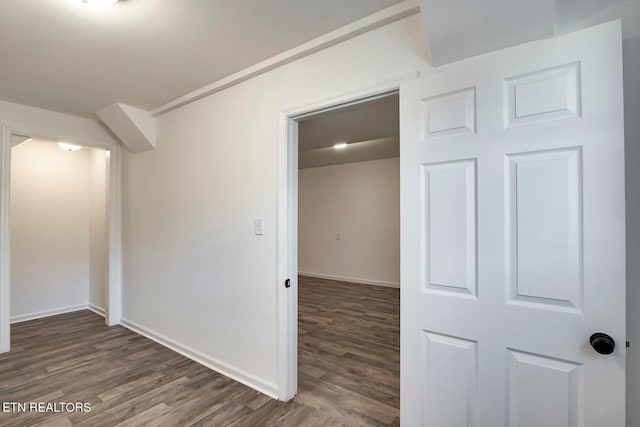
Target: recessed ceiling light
(69, 147)
(99, 2)
(340, 146)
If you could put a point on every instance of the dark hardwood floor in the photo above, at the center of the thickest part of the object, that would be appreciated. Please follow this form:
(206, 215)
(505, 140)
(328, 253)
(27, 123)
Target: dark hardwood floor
(348, 370)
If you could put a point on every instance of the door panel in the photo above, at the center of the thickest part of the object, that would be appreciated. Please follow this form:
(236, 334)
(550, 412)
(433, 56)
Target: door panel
(449, 114)
(451, 380)
(449, 212)
(512, 195)
(560, 90)
(544, 227)
(544, 391)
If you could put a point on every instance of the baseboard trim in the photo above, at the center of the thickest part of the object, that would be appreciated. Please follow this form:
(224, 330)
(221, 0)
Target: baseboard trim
(97, 310)
(47, 313)
(350, 279)
(246, 378)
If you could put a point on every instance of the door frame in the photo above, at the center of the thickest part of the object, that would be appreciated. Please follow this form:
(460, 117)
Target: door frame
(113, 310)
(287, 219)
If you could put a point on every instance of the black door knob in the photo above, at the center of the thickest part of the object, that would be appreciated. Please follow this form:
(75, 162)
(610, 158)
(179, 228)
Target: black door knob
(602, 343)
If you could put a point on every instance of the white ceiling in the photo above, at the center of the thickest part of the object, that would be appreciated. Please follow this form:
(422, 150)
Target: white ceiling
(371, 130)
(573, 15)
(464, 28)
(65, 56)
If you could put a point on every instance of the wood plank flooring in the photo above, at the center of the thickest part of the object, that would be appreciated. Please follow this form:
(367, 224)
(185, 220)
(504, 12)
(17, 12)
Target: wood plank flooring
(348, 370)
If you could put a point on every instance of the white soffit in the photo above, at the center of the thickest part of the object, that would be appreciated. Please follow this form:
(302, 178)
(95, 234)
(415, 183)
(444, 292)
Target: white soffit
(370, 130)
(459, 29)
(377, 149)
(17, 140)
(135, 127)
(366, 121)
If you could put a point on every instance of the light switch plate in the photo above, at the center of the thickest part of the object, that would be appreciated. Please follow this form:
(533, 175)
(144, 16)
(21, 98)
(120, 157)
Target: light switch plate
(258, 225)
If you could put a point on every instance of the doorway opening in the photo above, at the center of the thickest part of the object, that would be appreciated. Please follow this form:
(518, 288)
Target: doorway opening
(340, 318)
(60, 229)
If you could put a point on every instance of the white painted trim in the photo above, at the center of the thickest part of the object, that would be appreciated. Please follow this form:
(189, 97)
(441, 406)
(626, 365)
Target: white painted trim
(350, 279)
(287, 258)
(48, 313)
(114, 282)
(361, 26)
(114, 218)
(5, 240)
(97, 310)
(287, 228)
(246, 378)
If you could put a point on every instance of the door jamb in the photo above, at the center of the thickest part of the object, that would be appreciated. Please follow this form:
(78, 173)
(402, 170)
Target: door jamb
(113, 310)
(287, 217)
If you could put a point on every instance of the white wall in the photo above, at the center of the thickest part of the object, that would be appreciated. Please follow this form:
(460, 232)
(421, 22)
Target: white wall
(631, 50)
(97, 229)
(194, 271)
(361, 203)
(49, 229)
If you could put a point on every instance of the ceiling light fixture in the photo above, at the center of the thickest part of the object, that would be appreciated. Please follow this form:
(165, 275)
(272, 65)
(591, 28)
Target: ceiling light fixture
(69, 147)
(99, 2)
(340, 146)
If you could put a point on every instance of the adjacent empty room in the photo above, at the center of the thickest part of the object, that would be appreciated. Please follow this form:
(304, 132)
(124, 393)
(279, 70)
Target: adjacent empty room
(58, 229)
(349, 261)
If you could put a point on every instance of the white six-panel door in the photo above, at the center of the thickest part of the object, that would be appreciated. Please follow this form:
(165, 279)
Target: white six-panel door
(513, 247)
